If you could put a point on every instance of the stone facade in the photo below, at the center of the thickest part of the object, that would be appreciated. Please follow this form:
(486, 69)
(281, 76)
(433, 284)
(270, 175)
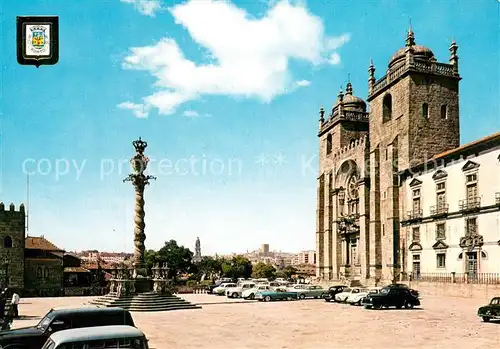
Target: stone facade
(413, 116)
(12, 235)
(451, 212)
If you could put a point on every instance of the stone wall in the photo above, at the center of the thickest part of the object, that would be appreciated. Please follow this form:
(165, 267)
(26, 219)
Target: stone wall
(475, 291)
(12, 229)
(45, 275)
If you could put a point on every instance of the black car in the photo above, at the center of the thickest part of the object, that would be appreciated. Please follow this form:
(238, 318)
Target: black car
(398, 297)
(490, 311)
(412, 291)
(332, 291)
(62, 319)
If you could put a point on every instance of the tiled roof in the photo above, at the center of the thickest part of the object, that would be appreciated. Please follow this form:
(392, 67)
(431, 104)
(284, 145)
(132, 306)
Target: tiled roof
(94, 266)
(493, 137)
(76, 270)
(40, 243)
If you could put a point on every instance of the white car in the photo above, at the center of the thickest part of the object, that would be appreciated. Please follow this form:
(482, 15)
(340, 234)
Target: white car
(356, 298)
(235, 292)
(250, 294)
(342, 296)
(220, 291)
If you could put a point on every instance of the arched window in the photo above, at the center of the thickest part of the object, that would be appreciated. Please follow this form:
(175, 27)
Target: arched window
(329, 143)
(461, 255)
(387, 108)
(444, 112)
(46, 273)
(39, 272)
(425, 110)
(7, 242)
(352, 142)
(484, 255)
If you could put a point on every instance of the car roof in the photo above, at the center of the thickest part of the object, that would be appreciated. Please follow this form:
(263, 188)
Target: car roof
(95, 333)
(88, 310)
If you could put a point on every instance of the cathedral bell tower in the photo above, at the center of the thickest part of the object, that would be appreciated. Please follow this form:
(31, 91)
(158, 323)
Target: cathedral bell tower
(413, 116)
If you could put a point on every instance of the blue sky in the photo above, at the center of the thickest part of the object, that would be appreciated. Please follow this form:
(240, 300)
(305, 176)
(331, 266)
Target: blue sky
(234, 86)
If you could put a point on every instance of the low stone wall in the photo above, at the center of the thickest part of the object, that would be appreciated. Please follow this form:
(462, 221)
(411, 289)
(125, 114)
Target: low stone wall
(84, 291)
(475, 291)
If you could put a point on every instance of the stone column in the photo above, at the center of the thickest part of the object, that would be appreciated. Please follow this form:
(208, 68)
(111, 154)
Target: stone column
(374, 250)
(328, 228)
(335, 237)
(364, 228)
(139, 181)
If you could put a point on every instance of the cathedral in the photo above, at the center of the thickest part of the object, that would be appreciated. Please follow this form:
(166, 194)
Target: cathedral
(366, 177)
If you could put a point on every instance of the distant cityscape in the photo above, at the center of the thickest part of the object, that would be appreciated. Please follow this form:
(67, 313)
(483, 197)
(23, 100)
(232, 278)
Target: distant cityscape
(262, 255)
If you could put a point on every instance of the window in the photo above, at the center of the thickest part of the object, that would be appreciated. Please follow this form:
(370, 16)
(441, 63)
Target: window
(441, 260)
(7, 242)
(440, 196)
(46, 273)
(471, 226)
(329, 143)
(415, 236)
(416, 201)
(440, 231)
(416, 257)
(425, 110)
(387, 108)
(39, 272)
(444, 112)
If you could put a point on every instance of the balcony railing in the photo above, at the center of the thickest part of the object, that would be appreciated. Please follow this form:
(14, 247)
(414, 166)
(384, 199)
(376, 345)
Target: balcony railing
(497, 198)
(414, 214)
(440, 209)
(458, 278)
(469, 204)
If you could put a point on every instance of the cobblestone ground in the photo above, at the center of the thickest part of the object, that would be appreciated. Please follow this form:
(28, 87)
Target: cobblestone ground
(307, 324)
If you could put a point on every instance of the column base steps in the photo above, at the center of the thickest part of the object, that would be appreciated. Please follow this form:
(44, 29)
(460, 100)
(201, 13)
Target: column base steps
(144, 302)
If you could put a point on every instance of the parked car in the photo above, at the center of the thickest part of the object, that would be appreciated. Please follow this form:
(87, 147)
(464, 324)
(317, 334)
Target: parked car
(236, 292)
(332, 291)
(357, 298)
(250, 294)
(63, 319)
(412, 291)
(309, 291)
(398, 297)
(221, 290)
(279, 294)
(342, 296)
(218, 283)
(98, 337)
(490, 311)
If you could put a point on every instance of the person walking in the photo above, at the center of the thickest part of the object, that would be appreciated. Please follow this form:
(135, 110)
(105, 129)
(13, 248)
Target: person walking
(15, 305)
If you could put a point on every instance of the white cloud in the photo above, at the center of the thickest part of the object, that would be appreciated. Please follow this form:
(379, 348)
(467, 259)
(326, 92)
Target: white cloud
(302, 83)
(146, 7)
(140, 110)
(250, 55)
(195, 114)
(334, 58)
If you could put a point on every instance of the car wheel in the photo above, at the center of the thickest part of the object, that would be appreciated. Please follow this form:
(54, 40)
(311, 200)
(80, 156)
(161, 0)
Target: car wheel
(377, 306)
(234, 295)
(302, 296)
(359, 303)
(251, 296)
(327, 300)
(399, 306)
(408, 305)
(289, 298)
(486, 319)
(267, 298)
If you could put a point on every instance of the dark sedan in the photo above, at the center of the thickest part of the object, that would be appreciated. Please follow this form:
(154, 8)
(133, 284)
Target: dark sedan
(398, 297)
(490, 311)
(332, 291)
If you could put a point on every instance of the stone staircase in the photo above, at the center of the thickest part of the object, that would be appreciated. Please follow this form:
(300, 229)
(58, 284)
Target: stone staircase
(148, 301)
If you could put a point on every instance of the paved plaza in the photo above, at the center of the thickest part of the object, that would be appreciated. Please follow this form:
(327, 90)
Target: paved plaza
(234, 324)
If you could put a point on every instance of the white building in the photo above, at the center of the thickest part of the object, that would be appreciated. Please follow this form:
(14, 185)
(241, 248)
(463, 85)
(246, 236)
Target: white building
(305, 257)
(451, 210)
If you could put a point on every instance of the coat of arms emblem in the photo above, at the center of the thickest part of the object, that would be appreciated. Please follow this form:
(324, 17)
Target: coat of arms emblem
(38, 40)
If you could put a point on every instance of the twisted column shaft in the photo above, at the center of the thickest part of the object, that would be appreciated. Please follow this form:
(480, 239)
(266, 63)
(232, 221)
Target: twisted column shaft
(139, 225)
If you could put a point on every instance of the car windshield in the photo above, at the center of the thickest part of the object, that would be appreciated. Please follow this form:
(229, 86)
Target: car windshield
(347, 290)
(44, 323)
(384, 290)
(495, 301)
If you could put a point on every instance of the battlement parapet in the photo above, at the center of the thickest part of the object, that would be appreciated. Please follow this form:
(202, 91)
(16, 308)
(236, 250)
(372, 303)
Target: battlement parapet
(12, 209)
(360, 143)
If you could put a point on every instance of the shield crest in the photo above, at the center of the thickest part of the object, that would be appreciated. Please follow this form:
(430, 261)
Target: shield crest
(38, 38)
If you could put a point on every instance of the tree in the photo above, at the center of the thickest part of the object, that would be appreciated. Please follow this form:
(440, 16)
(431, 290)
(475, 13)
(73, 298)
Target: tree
(98, 279)
(263, 270)
(288, 271)
(150, 259)
(210, 267)
(178, 258)
(237, 267)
